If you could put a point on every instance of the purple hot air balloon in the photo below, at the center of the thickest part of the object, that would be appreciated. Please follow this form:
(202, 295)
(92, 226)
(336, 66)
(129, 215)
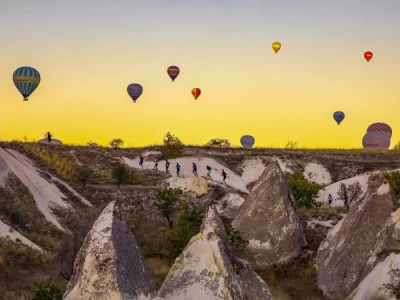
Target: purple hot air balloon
(247, 141)
(135, 90)
(376, 140)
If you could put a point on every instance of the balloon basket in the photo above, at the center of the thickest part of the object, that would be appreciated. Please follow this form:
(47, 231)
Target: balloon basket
(25, 99)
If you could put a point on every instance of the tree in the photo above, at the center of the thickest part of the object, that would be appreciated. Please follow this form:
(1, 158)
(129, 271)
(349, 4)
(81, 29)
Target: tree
(116, 143)
(48, 292)
(397, 146)
(166, 199)
(350, 192)
(305, 192)
(393, 179)
(393, 286)
(121, 174)
(218, 143)
(173, 146)
(83, 174)
(291, 145)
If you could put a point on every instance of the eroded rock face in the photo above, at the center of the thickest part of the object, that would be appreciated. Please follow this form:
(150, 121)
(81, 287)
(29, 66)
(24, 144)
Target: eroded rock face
(207, 269)
(349, 252)
(109, 264)
(268, 220)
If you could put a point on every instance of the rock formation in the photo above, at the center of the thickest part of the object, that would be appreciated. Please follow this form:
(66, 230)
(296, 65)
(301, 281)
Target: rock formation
(207, 269)
(109, 264)
(349, 252)
(268, 220)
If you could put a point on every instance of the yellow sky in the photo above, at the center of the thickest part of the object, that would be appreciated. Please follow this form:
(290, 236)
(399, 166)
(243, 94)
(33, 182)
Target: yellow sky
(246, 88)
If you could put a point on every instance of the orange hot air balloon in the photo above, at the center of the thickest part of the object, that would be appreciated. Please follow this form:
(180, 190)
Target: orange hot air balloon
(368, 55)
(196, 93)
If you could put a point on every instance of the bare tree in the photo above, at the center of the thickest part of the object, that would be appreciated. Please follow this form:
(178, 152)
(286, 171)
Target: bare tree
(291, 145)
(349, 193)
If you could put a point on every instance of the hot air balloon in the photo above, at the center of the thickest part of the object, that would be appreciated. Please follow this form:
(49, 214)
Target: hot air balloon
(376, 140)
(247, 141)
(338, 116)
(368, 55)
(135, 90)
(380, 127)
(173, 72)
(26, 79)
(276, 46)
(196, 93)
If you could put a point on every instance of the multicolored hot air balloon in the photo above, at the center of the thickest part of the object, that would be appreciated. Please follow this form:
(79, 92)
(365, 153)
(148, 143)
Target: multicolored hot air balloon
(135, 90)
(338, 116)
(276, 46)
(380, 127)
(376, 140)
(196, 93)
(247, 141)
(368, 55)
(26, 79)
(173, 72)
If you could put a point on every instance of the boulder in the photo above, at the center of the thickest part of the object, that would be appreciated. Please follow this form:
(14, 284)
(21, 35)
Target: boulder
(268, 220)
(349, 252)
(109, 264)
(208, 269)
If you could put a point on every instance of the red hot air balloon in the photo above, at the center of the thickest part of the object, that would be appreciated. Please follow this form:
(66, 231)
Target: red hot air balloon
(380, 127)
(196, 93)
(368, 55)
(173, 72)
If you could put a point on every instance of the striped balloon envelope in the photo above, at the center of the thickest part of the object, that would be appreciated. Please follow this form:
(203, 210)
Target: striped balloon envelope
(380, 127)
(196, 93)
(173, 72)
(26, 79)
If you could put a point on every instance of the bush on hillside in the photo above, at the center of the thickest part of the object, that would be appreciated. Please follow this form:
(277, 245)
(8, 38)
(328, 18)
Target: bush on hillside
(48, 292)
(176, 239)
(218, 143)
(393, 179)
(393, 286)
(305, 192)
(397, 146)
(173, 146)
(124, 175)
(351, 192)
(83, 173)
(166, 200)
(116, 143)
(291, 145)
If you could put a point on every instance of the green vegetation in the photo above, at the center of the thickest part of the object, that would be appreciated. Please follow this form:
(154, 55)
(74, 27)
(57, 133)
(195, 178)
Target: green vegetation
(393, 286)
(218, 143)
(62, 166)
(305, 192)
(173, 146)
(166, 200)
(351, 192)
(83, 173)
(116, 143)
(397, 146)
(393, 179)
(386, 252)
(122, 174)
(48, 292)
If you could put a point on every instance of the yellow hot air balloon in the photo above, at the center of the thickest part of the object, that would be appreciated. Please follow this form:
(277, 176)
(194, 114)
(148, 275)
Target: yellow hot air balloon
(276, 46)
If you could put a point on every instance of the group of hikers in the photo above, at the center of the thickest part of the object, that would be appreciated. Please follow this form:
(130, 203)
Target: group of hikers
(178, 168)
(345, 201)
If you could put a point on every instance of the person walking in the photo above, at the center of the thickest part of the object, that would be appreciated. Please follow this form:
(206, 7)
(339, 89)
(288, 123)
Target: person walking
(223, 175)
(178, 169)
(156, 164)
(141, 161)
(194, 166)
(208, 171)
(167, 166)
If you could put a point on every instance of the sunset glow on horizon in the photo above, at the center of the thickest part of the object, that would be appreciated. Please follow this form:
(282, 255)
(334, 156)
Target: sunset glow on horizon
(87, 55)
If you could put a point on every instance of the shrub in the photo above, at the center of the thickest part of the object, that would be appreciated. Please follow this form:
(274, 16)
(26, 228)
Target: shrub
(166, 200)
(83, 174)
(121, 174)
(218, 143)
(397, 146)
(48, 292)
(116, 143)
(291, 145)
(393, 286)
(236, 241)
(393, 179)
(351, 192)
(173, 146)
(305, 192)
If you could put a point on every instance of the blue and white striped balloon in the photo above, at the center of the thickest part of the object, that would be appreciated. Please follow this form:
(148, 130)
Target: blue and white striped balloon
(26, 79)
